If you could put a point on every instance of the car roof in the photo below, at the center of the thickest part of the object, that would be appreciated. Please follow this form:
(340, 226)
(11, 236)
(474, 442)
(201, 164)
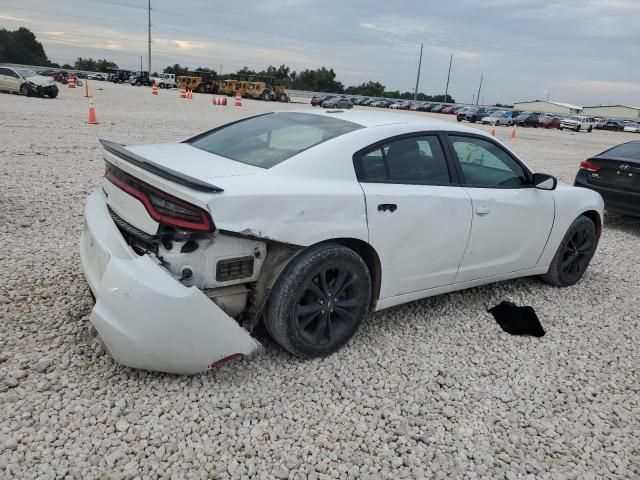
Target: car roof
(369, 119)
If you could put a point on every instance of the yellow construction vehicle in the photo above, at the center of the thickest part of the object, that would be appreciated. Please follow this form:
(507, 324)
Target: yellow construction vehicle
(199, 81)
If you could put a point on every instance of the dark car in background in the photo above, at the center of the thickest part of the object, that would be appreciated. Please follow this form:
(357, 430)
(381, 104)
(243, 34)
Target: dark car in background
(527, 120)
(317, 100)
(473, 114)
(614, 174)
(614, 126)
(548, 121)
(337, 102)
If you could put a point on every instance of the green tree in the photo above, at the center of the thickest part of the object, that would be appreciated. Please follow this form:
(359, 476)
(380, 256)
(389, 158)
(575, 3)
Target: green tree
(66, 66)
(104, 65)
(319, 80)
(88, 64)
(368, 89)
(21, 46)
(176, 69)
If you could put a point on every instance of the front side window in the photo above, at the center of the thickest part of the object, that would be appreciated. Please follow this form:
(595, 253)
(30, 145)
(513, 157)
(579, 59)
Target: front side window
(486, 164)
(267, 140)
(414, 160)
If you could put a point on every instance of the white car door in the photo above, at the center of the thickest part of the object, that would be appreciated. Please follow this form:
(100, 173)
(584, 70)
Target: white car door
(13, 81)
(5, 76)
(419, 219)
(511, 219)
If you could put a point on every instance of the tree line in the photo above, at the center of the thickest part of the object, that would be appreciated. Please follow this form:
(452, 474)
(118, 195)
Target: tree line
(21, 47)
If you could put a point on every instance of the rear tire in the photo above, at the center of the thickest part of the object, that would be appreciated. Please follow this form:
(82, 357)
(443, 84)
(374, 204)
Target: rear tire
(590, 129)
(319, 300)
(574, 254)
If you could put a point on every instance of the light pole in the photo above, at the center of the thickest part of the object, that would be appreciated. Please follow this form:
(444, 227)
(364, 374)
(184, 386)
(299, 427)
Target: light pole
(415, 92)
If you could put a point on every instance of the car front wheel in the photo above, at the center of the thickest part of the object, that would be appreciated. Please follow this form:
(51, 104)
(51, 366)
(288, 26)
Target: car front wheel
(319, 300)
(25, 90)
(574, 254)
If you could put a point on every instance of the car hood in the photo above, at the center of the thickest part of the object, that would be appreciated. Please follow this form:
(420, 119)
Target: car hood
(40, 80)
(567, 120)
(194, 162)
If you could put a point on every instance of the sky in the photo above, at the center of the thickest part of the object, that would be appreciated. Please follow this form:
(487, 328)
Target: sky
(584, 52)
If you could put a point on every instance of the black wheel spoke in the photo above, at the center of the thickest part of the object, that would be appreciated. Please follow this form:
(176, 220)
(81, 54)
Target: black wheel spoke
(316, 291)
(306, 321)
(344, 314)
(339, 283)
(306, 310)
(328, 329)
(347, 303)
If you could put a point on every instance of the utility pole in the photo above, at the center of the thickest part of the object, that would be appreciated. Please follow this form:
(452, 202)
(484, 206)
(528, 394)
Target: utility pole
(446, 90)
(415, 92)
(149, 30)
(140, 63)
(479, 88)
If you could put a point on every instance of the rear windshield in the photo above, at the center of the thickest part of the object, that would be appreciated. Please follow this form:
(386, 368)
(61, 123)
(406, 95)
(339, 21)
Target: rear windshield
(266, 140)
(626, 150)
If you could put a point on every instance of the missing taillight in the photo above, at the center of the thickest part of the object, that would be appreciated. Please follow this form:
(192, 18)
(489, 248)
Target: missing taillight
(589, 167)
(162, 207)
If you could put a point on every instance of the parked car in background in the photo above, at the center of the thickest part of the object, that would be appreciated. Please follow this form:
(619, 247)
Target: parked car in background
(473, 114)
(614, 126)
(401, 105)
(527, 119)
(437, 108)
(184, 255)
(424, 107)
(614, 174)
(317, 100)
(599, 123)
(27, 82)
(632, 128)
(498, 118)
(359, 101)
(337, 102)
(549, 121)
(415, 106)
(577, 123)
(97, 76)
(448, 109)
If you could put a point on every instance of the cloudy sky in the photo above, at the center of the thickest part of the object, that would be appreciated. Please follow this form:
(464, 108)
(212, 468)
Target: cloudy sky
(585, 52)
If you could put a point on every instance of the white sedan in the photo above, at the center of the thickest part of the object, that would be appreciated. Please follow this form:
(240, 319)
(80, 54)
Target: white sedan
(632, 127)
(307, 221)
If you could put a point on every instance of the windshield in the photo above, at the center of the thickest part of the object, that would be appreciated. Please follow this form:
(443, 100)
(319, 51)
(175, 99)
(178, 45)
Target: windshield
(267, 140)
(577, 119)
(25, 72)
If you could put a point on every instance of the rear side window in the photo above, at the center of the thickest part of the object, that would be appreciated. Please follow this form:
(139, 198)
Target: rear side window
(626, 150)
(267, 140)
(414, 160)
(485, 164)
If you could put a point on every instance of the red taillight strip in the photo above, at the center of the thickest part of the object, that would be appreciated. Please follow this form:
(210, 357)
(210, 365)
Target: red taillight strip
(589, 167)
(204, 226)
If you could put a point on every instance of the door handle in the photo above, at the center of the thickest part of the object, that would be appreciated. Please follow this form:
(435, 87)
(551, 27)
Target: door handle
(384, 207)
(483, 210)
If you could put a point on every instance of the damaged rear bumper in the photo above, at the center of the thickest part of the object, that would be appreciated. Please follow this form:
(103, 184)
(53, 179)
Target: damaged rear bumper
(145, 317)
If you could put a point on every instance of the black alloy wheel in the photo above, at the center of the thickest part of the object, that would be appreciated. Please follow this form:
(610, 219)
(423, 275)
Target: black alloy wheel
(319, 300)
(574, 254)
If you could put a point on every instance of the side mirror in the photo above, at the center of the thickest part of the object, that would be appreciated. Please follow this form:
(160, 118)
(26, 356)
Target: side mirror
(544, 181)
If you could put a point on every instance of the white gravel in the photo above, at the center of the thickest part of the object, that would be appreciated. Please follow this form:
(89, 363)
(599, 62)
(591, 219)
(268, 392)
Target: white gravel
(431, 389)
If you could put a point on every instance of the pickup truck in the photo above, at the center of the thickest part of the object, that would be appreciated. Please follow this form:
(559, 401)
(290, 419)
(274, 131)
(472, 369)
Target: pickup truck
(165, 80)
(577, 123)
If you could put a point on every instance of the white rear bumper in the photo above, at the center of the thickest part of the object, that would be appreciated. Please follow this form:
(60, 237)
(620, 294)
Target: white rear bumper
(146, 318)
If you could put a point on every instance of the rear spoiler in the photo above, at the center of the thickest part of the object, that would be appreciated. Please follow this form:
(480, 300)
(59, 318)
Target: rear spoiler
(119, 151)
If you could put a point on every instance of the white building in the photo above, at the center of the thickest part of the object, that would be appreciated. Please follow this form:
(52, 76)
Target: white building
(547, 106)
(613, 111)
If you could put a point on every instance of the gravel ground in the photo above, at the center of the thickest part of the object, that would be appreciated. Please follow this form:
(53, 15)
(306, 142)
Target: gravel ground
(431, 389)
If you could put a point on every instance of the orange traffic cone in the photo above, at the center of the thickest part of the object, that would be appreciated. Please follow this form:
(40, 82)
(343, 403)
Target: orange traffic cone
(183, 92)
(224, 101)
(189, 94)
(72, 81)
(493, 130)
(86, 87)
(154, 89)
(92, 113)
(513, 132)
(238, 99)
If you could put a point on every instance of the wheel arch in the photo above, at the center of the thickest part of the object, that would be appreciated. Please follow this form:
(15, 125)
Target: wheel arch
(371, 258)
(595, 218)
(280, 255)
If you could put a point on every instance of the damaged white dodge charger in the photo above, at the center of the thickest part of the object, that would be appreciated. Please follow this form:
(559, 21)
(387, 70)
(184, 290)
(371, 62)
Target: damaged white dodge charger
(307, 221)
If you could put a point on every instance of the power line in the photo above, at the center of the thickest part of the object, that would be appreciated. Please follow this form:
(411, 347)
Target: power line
(74, 16)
